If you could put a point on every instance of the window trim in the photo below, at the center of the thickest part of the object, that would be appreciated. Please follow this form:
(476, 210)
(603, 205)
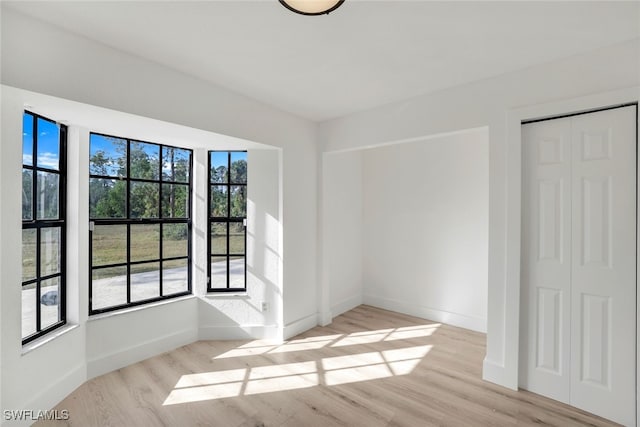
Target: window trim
(128, 221)
(226, 219)
(39, 224)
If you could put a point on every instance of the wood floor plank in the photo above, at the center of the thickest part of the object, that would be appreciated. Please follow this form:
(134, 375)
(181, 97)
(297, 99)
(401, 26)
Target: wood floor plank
(370, 367)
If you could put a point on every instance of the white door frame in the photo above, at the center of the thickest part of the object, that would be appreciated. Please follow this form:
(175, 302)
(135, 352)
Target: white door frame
(514, 118)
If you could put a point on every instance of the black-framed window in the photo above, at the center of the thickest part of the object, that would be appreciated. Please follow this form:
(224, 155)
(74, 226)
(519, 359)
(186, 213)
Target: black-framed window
(227, 207)
(140, 213)
(44, 148)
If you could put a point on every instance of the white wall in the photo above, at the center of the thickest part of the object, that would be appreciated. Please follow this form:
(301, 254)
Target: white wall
(37, 379)
(116, 340)
(71, 67)
(489, 102)
(342, 207)
(426, 228)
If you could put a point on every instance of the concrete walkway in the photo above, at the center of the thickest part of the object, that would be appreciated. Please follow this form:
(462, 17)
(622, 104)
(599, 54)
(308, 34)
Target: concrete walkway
(113, 290)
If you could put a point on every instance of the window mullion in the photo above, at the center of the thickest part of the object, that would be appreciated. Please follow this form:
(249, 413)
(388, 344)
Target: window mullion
(91, 228)
(160, 249)
(34, 178)
(39, 282)
(127, 214)
(227, 219)
(160, 216)
(128, 263)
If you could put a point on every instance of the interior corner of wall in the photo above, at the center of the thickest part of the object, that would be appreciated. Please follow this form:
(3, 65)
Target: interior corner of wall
(301, 325)
(325, 318)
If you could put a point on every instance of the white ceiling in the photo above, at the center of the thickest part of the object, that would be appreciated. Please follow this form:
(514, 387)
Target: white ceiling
(363, 55)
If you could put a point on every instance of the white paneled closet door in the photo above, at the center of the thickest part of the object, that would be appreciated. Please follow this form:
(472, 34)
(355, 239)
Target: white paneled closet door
(546, 255)
(579, 261)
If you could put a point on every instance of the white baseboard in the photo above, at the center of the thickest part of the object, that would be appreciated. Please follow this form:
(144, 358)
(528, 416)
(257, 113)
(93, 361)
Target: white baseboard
(240, 332)
(454, 319)
(497, 374)
(52, 394)
(141, 351)
(346, 305)
(301, 325)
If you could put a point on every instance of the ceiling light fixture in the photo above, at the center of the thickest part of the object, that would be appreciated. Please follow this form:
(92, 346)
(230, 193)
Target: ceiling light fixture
(312, 7)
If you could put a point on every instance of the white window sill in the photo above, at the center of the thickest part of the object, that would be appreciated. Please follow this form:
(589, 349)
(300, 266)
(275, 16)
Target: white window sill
(48, 337)
(227, 295)
(126, 310)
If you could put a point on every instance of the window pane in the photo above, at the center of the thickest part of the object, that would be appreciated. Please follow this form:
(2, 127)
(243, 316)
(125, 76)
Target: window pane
(107, 198)
(144, 160)
(239, 168)
(27, 139)
(236, 272)
(143, 201)
(107, 156)
(29, 254)
(219, 201)
(218, 238)
(175, 201)
(50, 302)
(48, 192)
(48, 141)
(145, 242)
(109, 287)
(175, 164)
(50, 245)
(109, 245)
(236, 238)
(175, 240)
(27, 194)
(28, 310)
(174, 276)
(218, 272)
(238, 201)
(219, 164)
(145, 281)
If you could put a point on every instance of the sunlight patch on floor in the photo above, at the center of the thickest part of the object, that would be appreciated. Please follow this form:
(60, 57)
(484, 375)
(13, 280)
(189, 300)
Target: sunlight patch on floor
(329, 371)
(255, 349)
(387, 335)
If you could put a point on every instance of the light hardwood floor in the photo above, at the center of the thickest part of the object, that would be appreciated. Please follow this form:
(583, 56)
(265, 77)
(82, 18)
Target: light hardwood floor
(370, 367)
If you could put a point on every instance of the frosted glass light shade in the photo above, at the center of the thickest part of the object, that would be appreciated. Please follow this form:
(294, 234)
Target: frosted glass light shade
(312, 7)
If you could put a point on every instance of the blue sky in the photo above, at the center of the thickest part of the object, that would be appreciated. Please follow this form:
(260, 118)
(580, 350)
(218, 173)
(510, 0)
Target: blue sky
(219, 158)
(48, 155)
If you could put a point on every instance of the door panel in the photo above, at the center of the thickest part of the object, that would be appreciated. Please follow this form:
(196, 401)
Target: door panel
(549, 330)
(596, 341)
(546, 269)
(550, 233)
(578, 265)
(603, 274)
(596, 221)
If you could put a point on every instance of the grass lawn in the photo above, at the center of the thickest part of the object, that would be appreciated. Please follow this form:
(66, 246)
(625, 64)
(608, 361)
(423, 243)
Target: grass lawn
(110, 242)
